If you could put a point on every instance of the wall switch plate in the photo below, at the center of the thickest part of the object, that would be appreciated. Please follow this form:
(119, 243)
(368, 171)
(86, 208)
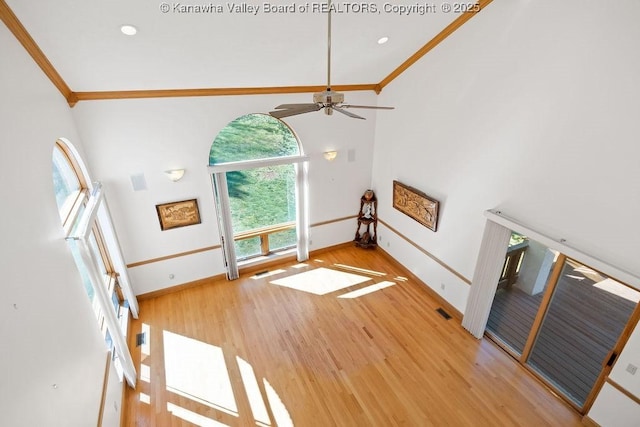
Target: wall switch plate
(632, 369)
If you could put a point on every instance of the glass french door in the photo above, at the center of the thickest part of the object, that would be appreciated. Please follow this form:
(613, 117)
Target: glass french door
(586, 315)
(562, 320)
(522, 286)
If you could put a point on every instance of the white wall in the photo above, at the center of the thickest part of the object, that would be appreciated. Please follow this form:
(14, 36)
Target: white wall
(612, 407)
(127, 137)
(629, 357)
(43, 343)
(531, 108)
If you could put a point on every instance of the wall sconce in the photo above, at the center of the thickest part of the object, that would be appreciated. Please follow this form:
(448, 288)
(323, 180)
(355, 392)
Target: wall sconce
(330, 155)
(175, 174)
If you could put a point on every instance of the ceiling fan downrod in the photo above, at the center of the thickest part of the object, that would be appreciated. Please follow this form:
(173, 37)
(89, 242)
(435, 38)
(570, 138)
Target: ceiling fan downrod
(328, 100)
(329, 45)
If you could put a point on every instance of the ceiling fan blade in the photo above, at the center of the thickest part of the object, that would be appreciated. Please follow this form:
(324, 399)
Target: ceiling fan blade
(300, 109)
(366, 106)
(328, 99)
(347, 113)
(286, 106)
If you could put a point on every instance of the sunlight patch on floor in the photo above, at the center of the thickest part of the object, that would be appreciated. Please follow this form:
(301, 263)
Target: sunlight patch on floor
(369, 289)
(197, 370)
(613, 287)
(145, 398)
(192, 417)
(145, 347)
(251, 386)
(280, 413)
(320, 281)
(145, 373)
(267, 274)
(301, 265)
(360, 270)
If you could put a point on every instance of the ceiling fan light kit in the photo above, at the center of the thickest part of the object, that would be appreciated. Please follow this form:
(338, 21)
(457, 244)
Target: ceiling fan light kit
(328, 96)
(329, 100)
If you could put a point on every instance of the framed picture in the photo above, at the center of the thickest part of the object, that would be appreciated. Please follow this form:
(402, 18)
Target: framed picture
(178, 214)
(416, 204)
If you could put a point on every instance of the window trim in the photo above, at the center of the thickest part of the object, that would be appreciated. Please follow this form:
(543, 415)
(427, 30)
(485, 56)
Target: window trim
(88, 226)
(218, 172)
(256, 163)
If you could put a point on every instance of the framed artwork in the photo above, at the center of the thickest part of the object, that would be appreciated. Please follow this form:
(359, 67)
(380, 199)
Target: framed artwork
(178, 214)
(416, 204)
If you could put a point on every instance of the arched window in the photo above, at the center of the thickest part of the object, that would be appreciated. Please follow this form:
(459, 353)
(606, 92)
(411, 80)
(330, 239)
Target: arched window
(253, 137)
(67, 183)
(93, 243)
(259, 176)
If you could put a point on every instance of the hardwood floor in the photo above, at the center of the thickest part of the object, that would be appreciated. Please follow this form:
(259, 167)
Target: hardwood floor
(249, 352)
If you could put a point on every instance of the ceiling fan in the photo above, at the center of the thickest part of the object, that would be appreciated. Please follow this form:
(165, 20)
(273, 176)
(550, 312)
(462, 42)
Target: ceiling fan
(329, 100)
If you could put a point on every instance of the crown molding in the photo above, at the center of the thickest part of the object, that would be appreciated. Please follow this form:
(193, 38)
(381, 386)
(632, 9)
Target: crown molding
(19, 31)
(173, 93)
(439, 38)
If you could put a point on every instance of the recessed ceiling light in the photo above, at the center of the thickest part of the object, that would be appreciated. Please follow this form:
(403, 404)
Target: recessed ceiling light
(128, 30)
(383, 40)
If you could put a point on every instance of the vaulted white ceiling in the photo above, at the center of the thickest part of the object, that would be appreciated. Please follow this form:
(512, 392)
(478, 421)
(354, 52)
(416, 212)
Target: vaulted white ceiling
(225, 49)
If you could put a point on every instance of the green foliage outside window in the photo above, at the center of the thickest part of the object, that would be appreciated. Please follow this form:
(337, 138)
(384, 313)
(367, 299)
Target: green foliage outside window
(264, 196)
(65, 182)
(251, 137)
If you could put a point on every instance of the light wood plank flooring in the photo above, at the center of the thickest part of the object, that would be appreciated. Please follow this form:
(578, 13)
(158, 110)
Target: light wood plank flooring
(249, 352)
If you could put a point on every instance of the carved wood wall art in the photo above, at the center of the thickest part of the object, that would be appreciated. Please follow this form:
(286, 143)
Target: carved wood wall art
(178, 214)
(416, 204)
